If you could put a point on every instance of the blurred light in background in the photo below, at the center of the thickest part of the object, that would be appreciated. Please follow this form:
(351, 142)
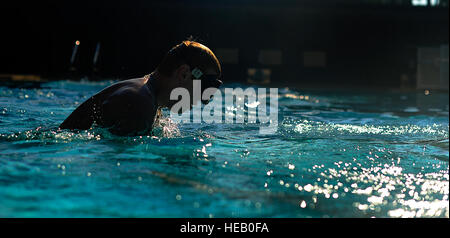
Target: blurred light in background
(425, 2)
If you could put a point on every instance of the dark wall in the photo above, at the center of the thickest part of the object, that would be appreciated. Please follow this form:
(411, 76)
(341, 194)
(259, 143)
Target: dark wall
(368, 44)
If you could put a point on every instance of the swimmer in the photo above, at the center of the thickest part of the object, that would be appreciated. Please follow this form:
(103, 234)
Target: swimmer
(130, 107)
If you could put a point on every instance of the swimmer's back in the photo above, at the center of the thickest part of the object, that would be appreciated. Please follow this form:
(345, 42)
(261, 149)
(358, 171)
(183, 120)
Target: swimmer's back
(125, 107)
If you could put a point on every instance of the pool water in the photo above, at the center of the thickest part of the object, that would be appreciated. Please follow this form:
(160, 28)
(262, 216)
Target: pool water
(341, 153)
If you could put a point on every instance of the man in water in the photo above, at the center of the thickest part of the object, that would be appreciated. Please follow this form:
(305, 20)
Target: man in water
(129, 107)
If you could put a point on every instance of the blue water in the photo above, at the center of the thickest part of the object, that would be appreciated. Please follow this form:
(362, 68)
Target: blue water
(336, 153)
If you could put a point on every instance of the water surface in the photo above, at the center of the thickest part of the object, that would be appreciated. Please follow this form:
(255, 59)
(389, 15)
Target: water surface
(335, 154)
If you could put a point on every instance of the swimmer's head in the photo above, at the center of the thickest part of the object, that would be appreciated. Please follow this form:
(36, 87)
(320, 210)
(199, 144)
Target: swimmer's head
(188, 61)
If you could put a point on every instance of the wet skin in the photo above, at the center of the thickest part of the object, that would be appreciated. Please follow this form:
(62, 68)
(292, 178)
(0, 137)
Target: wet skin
(126, 108)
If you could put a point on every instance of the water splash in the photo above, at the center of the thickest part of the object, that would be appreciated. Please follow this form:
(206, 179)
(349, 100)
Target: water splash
(335, 155)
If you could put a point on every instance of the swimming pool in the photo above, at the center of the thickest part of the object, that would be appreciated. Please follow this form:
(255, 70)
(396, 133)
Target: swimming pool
(340, 153)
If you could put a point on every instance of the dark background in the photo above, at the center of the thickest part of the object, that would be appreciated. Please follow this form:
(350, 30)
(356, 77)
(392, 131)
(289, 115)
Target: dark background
(367, 42)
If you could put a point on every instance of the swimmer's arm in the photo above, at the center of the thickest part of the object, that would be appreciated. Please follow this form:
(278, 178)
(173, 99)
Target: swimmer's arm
(81, 118)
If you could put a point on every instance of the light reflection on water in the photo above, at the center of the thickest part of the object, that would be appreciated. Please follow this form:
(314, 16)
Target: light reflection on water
(335, 154)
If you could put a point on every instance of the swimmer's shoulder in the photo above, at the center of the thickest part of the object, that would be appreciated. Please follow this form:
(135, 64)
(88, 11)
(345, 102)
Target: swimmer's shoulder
(131, 98)
(128, 110)
(120, 86)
